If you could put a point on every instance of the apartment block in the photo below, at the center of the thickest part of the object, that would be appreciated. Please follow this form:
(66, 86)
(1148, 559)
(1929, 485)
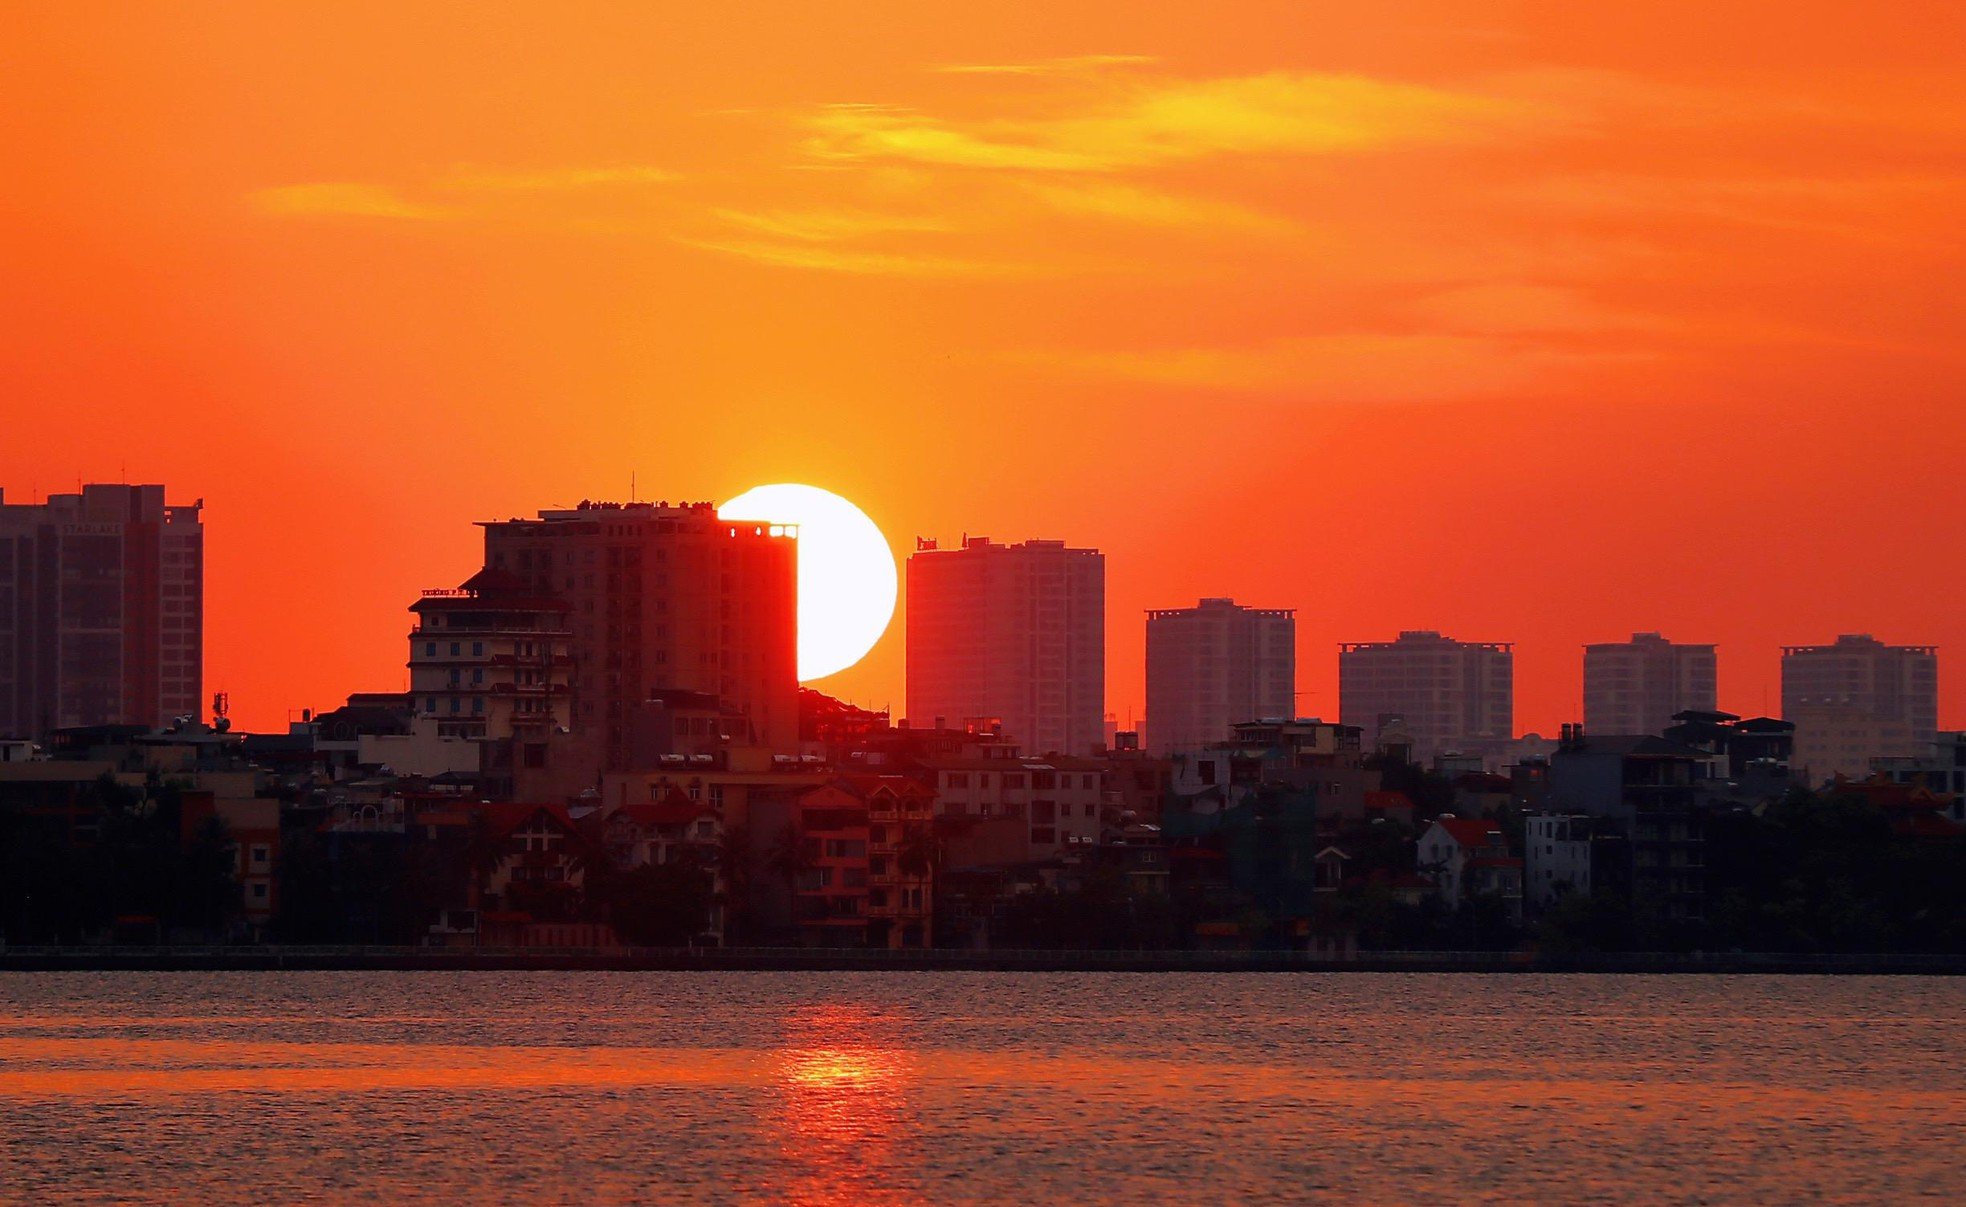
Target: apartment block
(1638, 686)
(1213, 665)
(1012, 633)
(101, 610)
(1451, 695)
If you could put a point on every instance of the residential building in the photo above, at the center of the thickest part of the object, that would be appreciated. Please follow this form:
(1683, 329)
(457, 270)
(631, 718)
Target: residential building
(1942, 770)
(864, 867)
(1468, 857)
(658, 598)
(1214, 664)
(672, 831)
(1889, 684)
(1648, 790)
(1833, 741)
(101, 610)
(1016, 633)
(1450, 695)
(1556, 851)
(1637, 686)
(1057, 801)
(491, 659)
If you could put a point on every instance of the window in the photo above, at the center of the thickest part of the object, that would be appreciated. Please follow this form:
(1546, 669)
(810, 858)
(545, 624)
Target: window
(429, 649)
(477, 648)
(259, 890)
(457, 647)
(260, 854)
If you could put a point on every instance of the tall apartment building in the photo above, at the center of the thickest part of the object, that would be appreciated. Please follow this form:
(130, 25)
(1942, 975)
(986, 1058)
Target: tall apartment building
(1213, 665)
(1887, 684)
(1015, 633)
(1637, 686)
(1452, 695)
(664, 598)
(102, 610)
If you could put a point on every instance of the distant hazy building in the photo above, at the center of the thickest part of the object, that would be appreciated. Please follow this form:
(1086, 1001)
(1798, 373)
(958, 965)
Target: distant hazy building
(664, 598)
(1637, 686)
(1213, 665)
(1888, 684)
(102, 612)
(1451, 695)
(1014, 633)
(1832, 741)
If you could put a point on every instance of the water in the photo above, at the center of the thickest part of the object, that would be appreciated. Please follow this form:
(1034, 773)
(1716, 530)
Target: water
(909, 1087)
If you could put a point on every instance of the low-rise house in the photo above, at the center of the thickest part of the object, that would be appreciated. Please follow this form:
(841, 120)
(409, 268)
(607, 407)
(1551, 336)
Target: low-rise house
(1468, 858)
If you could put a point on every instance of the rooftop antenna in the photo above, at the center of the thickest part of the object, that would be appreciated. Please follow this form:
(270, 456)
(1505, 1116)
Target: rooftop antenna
(631, 486)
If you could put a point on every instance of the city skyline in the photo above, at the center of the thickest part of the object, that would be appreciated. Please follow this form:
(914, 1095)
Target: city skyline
(1548, 297)
(1129, 662)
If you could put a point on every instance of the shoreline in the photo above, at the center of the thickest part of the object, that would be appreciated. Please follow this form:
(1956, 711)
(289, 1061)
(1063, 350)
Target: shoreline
(740, 959)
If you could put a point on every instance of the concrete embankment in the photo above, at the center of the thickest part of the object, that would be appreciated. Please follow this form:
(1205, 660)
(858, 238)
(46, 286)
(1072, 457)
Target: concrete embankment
(735, 959)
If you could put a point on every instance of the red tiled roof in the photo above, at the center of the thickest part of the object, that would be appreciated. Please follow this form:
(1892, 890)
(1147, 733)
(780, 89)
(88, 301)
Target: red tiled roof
(675, 809)
(1925, 825)
(1388, 799)
(1471, 831)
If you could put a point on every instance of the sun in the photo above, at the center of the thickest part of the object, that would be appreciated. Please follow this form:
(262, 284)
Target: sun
(847, 579)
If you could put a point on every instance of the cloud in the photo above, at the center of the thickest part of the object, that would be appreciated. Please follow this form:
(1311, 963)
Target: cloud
(1522, 309)
(550, 179)
(1170, 122)
(1102, 198)
(824, 226)
(1359, 367)
(867, 263)
(343, 199)
(1069, 65)
(459, 194)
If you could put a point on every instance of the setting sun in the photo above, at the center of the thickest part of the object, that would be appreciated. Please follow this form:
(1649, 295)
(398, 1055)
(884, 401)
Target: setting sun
(847, 581)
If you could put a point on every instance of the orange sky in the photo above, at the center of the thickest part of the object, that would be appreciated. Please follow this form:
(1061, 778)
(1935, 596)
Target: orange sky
(1526, 322)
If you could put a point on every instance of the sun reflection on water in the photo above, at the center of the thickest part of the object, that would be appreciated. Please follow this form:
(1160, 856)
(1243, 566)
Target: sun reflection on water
(844, 1078)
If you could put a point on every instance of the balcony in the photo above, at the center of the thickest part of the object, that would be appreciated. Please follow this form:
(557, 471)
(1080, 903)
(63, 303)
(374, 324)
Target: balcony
(883, 813)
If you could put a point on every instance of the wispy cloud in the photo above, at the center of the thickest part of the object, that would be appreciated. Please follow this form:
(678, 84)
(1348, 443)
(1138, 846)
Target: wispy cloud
(549, 179)
(825, 226)
(861, 262)
(1172, 121)
(347, 199)
(1109, 199)
(1068, 65)
(1365, 367)
(461, 193)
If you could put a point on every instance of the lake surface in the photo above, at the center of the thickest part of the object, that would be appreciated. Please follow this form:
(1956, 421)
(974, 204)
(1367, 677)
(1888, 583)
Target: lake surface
(999, 1087)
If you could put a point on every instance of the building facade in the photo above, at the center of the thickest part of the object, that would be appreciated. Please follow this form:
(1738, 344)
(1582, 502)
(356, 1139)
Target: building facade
(1452, 695)
(1016, 633)
(1213, 665)
(101, 610)
(490, 659)
(664, 597)
(1888, 684)
(1638, 686)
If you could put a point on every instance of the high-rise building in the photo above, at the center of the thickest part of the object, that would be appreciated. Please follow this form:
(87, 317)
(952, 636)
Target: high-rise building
(1452, 695)
(102, 610)
(1010, 633)
(1213, 665)
(663, 598)
(1887, 684)
(1637, 686)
